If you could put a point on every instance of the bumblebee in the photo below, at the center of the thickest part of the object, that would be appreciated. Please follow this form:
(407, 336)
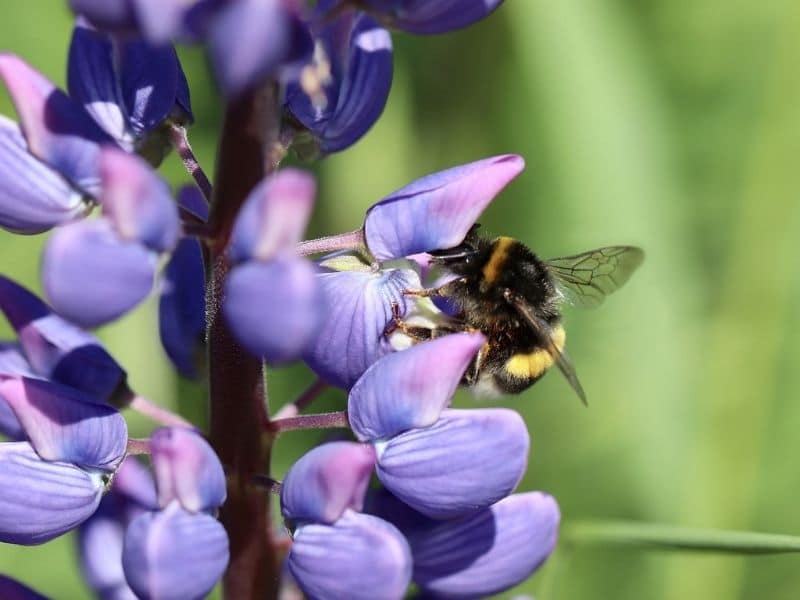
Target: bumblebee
(513, 297)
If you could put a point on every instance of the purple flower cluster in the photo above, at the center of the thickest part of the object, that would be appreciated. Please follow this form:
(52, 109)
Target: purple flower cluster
(442, 513)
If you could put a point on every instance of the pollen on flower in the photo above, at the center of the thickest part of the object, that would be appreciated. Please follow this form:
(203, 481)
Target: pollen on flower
(315, 76)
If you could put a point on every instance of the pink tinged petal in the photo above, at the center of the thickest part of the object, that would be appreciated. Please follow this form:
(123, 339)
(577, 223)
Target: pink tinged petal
(489, 551)
(63, 424)
(351, 337)
(326, 481)
(42, 500)
(437, 211)
(173, 554)
(100, 546)
(359, 557)
(92, 277)
(275, 308)
(186, 470)
(14, 590)
(134, 483)
(137, 202)
(33, 197)
(57, 129)
(12, 362)
(409, 389)
(467, 460)
(274, 216)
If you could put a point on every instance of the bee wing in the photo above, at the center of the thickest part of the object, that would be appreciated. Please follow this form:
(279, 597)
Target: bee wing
(586, 279)
(560, 357)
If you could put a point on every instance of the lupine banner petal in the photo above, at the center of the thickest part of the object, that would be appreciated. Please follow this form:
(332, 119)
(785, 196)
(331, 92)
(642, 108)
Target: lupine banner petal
(274, 308)
(14, 590)
(409, 389)
(186, 469)
(437, 211)
(360, 557)
(274, 216)
(326, 481)
(488, 551)
(91, 277)
(432, 16)
(63, 424)
(57, 129)
(33, 197)
(351, 337)
(467, 460)
(42, 500)
(173, 554)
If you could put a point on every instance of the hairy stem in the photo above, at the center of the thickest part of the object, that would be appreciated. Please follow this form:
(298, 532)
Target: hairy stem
(138, 446)
(353, 240)
(160, 415)
(180, 141)
(238, 404)
(331, 420)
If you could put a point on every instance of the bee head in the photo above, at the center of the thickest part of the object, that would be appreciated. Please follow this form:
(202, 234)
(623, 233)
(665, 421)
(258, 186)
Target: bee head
(462, 257)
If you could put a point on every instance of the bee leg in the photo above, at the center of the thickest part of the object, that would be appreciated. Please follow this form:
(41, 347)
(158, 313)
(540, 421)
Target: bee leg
(443, 290)
(418, 334)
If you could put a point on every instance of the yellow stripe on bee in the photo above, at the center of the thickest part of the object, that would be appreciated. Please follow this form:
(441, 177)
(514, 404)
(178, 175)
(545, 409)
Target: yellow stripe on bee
(491, 270)
(534, 364)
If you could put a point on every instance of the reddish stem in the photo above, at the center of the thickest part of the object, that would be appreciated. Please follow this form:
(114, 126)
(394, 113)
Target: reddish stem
(331, 420)
(180, 141)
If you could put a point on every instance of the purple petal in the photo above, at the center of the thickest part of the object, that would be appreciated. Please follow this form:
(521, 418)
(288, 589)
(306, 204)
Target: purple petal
(360, 557)
(274, 216)
(65, 425)
(172, 554)
(274, 308)
(12, 362)
(191, 200)
(13, 590)
(134, 484)
(361, 55)
(467, 460)
(489, 551)
(432, 16)
(57, 129)
(42, 500)
(186, 469)
(326, 481)
(181, 308)
(92, 277)
(33, 197)
(409, 389)
(137, 202)
(438, 210)
(162, 20)
(361, 308)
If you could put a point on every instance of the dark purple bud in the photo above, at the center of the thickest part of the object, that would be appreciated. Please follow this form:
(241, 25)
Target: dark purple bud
(91, 276)
(431, 16)
(42, 500)
(359, 557)
(186, 470)
(191, 200)
(488, 551)
(33, 197)
(57, 129)
(437, 211)
(14, 590)
(113, 15)
(326, 481)
(469, 459)
(409, 389)
(173, 554)
(341, 93)
(63, 424)
(351, 337)
(181, 308)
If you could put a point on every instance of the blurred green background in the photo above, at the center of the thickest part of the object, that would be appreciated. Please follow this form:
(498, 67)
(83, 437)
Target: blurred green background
(671, 125)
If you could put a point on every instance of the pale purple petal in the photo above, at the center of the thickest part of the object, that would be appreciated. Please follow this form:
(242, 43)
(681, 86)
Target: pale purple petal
(33, 197)
(467, 460)
(91, 277)
(361, 309)
(12, 362)
(173, 554)
(42, 500)
(274, 216)
(134, 483)
(14, 590)
(489, 551)
(57, 128)
(115, 15)
(326, 481)
(274, 308)
(360, 557)
(186, 469)
(162, 20)
(409, 389)
(137, 202)
(437, 211)
(63, 424)
(431, 16)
